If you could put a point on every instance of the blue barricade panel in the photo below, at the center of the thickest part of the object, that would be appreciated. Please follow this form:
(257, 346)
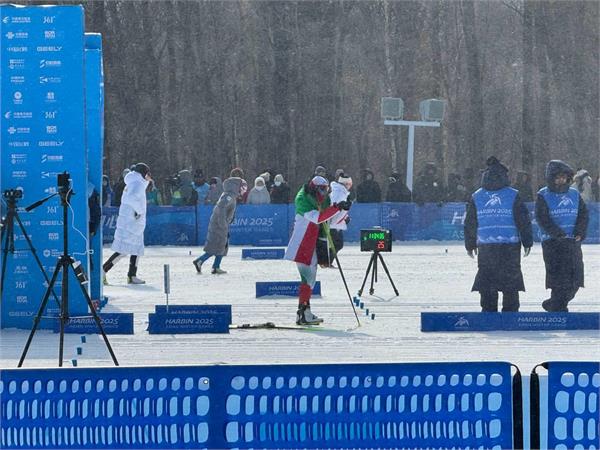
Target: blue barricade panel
(573, 405)
(263, 253)
(113, 323)
(434, 405)
(468, 321)
(223, 311)
(187, 323)
(520, 321)
(271, 225)
(282, 289)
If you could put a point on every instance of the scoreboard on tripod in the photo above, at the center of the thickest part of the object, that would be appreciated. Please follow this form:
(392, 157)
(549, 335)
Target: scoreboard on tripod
(375, 240)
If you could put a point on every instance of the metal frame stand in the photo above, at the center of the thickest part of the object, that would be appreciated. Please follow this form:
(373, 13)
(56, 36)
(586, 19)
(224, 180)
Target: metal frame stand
(373, 265)
(62, 266)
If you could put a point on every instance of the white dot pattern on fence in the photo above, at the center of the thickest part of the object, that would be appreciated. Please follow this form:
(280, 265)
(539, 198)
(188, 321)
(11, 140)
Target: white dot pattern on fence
(144, 407)
(575, 406)
(462, 405)
(407, 407)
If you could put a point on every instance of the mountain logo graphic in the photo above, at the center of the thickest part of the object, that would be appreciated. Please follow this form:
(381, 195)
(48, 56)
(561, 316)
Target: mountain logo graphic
(494, 200)
(565, 202)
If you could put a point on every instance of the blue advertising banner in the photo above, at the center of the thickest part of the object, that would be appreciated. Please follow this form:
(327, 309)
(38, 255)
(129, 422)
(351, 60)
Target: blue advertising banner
(283, 289)
(263, 225)
(112, 323)
(518, 321)
(186, 323)
(165, 225)
(94, 108)
(43, 134)
(263, 253)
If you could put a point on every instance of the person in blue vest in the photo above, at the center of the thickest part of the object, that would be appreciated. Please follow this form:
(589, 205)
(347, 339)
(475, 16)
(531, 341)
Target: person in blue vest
(497, 223)
(562, 217)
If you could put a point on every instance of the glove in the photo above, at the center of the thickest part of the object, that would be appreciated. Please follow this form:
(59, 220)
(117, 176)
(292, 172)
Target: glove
(345, 205)
(526, 251)
(472, 253)
(136, 216)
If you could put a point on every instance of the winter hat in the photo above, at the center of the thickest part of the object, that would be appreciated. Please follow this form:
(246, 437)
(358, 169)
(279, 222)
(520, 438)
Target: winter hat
(495, 177)
(237, 172)
(318, 187)
(338, 172)
(320, 171)
(346, 181)
(553, 169)
(279, 178)
(142, 169)
(259, 181)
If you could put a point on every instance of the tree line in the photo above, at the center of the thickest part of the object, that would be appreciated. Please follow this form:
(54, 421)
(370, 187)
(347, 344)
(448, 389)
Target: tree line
(290, 84)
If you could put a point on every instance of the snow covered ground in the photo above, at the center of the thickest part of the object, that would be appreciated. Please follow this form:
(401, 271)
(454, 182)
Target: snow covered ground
(428, 277)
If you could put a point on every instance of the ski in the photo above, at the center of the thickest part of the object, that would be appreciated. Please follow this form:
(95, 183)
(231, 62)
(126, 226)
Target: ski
(273, 326)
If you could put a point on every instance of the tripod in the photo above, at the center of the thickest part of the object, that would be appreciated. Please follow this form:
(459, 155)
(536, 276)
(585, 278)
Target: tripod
(373, 265)
(62, 266)
(9, 238)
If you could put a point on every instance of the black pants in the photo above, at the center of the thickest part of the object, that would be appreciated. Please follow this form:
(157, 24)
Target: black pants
(489, 301)
(325, 254)
(560, 298)
(110, 263)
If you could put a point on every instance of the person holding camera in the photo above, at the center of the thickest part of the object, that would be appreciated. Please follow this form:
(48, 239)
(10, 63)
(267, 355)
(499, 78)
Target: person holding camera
(313, 208)
(131, 223)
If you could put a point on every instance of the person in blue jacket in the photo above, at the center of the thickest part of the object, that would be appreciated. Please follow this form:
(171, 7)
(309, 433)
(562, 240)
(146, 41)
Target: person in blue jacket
(497, 223)
(562, 217)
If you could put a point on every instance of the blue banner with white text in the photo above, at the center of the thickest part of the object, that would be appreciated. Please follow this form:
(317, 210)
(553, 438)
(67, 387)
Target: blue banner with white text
(271, 225)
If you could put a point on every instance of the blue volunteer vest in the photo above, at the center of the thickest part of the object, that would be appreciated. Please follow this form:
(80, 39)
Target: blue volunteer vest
(495, 220)
(563, 208)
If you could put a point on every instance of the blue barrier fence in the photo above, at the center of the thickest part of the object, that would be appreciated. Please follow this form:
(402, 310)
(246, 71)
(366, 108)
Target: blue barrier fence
(572, 403)
(433, 405)
(270, 225)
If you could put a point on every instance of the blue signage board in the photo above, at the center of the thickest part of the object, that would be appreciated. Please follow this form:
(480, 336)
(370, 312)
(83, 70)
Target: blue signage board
(94, 108)
(519, 321)
(262, 225)
(263, 253)
(165, 225)
(112, 323)
(223, 311)
(186, 323)
(43, 134)
(283, 289)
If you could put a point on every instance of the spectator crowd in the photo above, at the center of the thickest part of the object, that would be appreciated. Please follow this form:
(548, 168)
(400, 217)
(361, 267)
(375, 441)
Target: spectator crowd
(187, 188)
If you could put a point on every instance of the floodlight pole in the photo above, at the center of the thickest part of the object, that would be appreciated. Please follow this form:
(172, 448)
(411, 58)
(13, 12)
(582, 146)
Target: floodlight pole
(410, 152)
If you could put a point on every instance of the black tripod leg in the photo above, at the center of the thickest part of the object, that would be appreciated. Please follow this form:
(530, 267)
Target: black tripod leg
(96, 318)
(35, 255)
(388, 274)
(6, 248)
(373, 274)
(38, 316)
(360, 291)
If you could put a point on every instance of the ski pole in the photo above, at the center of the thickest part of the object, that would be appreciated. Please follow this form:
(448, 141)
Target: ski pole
(330, 241)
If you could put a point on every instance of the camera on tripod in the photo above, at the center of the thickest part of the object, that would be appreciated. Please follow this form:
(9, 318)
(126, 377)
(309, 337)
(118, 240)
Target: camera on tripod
(63, 182)
(13, 194)
(375, 239)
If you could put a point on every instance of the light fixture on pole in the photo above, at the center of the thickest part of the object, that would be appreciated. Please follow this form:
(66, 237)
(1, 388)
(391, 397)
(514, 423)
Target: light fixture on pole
(432, 113)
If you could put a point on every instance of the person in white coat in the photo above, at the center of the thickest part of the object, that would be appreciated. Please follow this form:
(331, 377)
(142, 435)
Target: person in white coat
(131, 223)
(259, 194)
(340, 190)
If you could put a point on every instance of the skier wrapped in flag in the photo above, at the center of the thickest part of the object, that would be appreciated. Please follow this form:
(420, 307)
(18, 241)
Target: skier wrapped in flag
(313, 208)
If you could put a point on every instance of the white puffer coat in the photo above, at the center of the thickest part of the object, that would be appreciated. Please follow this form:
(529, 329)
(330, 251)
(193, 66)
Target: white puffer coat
(131, 223)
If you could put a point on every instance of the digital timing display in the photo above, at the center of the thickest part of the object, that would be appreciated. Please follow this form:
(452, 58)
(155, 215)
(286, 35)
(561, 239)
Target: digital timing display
(375, 240)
